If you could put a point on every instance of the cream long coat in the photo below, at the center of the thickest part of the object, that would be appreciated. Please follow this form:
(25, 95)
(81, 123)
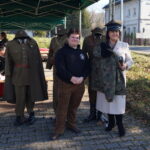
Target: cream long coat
(118, 105)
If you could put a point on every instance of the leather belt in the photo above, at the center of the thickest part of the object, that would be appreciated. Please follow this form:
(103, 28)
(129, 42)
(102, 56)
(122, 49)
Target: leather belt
(22, 65)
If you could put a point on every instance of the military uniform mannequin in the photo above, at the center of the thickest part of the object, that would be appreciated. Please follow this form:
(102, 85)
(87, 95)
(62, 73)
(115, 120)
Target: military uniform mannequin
(90, 42)
(25, 80)
(56, 43)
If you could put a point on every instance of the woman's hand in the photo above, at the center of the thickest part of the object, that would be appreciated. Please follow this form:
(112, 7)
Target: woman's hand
(76, 80)
(123, 66)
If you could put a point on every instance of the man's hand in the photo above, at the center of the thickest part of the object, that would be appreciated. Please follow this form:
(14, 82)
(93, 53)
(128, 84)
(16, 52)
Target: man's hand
(80, 80)
(76, 80)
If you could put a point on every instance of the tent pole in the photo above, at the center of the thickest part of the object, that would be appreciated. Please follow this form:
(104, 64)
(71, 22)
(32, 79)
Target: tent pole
(65, 22)
(56, 30)
(113, 9)
(80, 22)
(122, 20)
(110, 10)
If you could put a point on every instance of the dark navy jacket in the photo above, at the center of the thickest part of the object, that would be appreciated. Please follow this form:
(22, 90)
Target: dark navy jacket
(71, 62)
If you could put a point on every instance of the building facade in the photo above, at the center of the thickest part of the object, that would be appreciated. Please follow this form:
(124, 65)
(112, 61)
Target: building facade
(136, 15)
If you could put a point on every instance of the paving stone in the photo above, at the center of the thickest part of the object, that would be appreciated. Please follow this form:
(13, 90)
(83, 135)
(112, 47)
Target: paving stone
(91, 142)
(72, 148)
(84, 148)
(136, 148)
(112, 145)
(100, 147)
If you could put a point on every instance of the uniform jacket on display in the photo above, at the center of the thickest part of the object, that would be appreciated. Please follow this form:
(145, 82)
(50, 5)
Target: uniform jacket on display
(23, 67)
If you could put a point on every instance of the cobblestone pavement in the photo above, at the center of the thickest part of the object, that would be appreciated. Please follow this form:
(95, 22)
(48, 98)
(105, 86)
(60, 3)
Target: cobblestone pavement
(92, 137)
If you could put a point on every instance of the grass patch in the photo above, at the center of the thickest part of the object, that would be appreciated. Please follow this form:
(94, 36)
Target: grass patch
(138, 85)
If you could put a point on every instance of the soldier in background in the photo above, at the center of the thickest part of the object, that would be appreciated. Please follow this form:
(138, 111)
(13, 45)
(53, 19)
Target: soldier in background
(89, 43)
(56, 44)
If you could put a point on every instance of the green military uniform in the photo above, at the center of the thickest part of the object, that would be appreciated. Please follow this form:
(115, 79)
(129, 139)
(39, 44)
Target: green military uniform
(89, 43)
(25, 80)
(56, 43)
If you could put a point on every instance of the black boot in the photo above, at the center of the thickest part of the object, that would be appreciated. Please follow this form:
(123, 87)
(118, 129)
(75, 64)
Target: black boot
(98, 116)
(121, 128)
(111, 124)
(18, 121)
(31, 118)
(92, 115)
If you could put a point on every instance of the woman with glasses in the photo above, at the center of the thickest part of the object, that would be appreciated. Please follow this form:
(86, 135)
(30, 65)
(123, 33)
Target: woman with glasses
(72, 67)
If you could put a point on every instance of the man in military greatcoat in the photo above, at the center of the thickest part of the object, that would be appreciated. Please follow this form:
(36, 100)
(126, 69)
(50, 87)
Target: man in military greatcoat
(89, 43)
(56, 44)
(25, 81)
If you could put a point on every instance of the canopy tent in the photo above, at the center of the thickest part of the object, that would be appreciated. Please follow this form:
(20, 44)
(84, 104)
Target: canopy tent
(37, 14)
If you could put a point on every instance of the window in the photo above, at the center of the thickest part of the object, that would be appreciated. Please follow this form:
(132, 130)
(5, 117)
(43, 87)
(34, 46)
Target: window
(128, 12)
(128, 30)
(134, 29)
(134, 11)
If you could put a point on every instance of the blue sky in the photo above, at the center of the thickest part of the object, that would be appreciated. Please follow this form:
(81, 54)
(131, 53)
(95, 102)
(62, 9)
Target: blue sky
(97, 7)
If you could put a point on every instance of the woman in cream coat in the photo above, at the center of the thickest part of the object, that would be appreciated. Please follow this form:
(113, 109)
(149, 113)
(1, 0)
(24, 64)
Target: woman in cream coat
(111, 98)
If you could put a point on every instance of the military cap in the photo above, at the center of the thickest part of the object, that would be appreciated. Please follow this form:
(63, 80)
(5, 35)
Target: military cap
(61, 31)
(20, 34)
(113, 25)
(98, 30)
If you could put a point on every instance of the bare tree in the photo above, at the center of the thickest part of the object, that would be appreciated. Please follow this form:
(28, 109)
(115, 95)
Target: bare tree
(97, 19)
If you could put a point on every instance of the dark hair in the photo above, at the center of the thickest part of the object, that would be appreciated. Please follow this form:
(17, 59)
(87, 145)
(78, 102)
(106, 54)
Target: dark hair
(73, 31)
(107, 35)
(3, 34)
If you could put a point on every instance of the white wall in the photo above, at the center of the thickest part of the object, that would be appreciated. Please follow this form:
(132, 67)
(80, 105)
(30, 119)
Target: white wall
(145, 16)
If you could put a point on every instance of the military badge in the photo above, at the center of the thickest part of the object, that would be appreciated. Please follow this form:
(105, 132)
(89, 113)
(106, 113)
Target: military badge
(82, 57)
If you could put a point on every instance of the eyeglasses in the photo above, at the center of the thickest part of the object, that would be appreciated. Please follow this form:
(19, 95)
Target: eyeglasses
(76, 38)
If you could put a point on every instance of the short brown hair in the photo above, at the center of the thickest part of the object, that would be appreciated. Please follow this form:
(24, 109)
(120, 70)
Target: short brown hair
(73, 31)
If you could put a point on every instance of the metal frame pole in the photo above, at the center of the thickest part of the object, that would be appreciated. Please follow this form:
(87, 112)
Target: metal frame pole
(110, 10)
(56, 30)
(113, 9)
(122, 10)
(65, 22)
(80, 22)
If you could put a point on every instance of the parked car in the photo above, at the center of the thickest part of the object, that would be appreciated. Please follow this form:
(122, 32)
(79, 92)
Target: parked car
(44, 53)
